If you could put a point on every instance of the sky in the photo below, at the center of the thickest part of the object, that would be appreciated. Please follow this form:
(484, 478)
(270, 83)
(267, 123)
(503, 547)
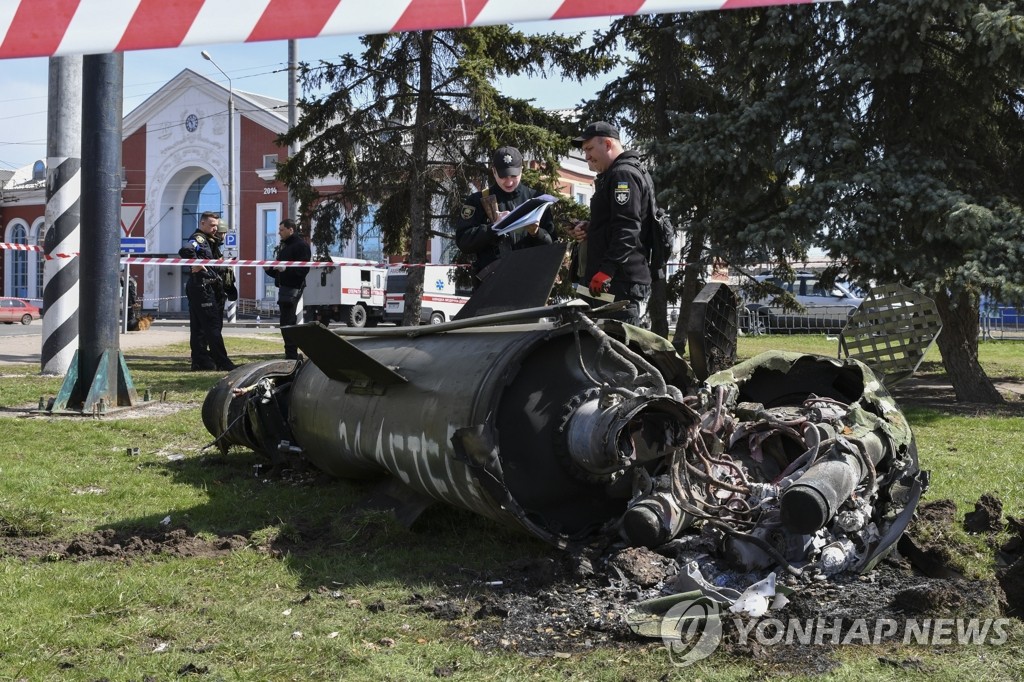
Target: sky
(253, 67)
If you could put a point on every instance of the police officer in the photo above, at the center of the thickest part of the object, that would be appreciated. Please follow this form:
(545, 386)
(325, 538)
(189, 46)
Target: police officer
(473, 233)
(207, 289)
(289, 281)
(616, 256)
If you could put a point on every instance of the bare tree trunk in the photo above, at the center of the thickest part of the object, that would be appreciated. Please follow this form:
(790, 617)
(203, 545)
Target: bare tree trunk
(657, 307)
(692, 256)
(418, 222)
(959, 345)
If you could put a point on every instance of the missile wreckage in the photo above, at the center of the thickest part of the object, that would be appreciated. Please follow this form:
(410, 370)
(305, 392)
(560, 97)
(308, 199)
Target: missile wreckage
(584, 431)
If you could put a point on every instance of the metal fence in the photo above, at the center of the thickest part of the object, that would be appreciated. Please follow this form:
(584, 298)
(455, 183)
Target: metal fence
(1001, 322)
(251, 307)
(771, 320)
(997, 322)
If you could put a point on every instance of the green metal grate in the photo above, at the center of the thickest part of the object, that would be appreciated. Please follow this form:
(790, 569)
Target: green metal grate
(891, 331)
(711, 333)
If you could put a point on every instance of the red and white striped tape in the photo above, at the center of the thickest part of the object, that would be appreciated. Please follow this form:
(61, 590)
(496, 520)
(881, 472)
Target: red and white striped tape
(33, 28)
(9, 246)
(157, 260)
(171, 260)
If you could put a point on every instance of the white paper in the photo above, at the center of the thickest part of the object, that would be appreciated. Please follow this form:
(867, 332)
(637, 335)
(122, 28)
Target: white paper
(523, 215)
(603, 296)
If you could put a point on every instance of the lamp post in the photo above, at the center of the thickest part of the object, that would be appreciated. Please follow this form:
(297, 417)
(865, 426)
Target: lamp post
(232, 224)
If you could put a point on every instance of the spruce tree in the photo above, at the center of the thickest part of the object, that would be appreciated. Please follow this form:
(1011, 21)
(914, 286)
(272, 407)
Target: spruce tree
(888, 132)
(408, 125)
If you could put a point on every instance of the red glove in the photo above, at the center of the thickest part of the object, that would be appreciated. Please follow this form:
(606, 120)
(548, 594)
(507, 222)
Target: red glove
(598, 284)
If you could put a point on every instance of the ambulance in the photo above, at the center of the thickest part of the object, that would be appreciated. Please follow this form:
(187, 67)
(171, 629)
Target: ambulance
(351, 292)
(442, 299)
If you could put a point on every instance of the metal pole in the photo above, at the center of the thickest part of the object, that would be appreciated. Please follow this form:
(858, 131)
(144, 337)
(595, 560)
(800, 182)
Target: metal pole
(63, 222)
(101, 208)
(293, 148)
(232, 222)
(293, 114)
(232, 307)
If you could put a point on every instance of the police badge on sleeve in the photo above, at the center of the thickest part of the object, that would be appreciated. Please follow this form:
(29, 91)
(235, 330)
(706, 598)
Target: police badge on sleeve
(467, 211)
(622, 193)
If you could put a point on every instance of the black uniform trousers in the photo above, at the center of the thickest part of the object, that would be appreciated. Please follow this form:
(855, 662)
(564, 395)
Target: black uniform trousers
(289, 316)
(206, 322)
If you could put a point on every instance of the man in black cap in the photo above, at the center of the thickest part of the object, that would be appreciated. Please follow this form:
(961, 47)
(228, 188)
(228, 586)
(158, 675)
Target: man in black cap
(473, 233)
(616, 255)
(207, 289)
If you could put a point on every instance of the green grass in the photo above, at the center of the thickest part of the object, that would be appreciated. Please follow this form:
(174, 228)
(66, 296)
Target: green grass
(161, 371)
(235, 614)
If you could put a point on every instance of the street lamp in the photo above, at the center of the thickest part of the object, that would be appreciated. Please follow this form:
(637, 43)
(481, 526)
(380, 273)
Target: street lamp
(232, 224)
(231, 142)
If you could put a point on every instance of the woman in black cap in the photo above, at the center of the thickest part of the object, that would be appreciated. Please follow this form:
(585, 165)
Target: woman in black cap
(473, 233)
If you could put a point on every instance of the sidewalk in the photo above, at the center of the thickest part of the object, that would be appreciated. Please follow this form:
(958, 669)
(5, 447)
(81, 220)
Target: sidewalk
(26, 349)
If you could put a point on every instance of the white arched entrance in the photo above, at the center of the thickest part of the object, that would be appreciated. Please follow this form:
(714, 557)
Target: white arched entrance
(178, 201)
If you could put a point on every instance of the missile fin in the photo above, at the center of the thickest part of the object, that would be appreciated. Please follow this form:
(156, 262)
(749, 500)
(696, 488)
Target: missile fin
(339, 359)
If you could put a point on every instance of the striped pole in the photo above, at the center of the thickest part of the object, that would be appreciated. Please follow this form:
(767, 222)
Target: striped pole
(231, 307)
(62, 216)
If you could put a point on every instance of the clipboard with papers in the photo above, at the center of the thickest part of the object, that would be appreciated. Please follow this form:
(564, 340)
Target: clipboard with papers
(527, 213)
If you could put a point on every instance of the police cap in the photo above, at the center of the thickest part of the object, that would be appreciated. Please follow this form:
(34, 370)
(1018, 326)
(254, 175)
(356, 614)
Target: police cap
(596, 129)
(507, 161)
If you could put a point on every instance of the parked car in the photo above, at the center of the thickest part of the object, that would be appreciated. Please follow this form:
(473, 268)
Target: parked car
(18, 310)
(825, 310)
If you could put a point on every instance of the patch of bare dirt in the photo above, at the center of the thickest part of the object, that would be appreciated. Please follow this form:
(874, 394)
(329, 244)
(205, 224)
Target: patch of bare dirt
(986, 517)
(568, 604)
(115, 545)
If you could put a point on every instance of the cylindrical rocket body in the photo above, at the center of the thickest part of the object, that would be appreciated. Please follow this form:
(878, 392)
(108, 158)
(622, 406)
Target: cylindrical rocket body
(511, 384)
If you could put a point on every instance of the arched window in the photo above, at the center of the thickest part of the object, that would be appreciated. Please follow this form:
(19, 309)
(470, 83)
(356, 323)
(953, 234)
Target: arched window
(18, 263)
(202, 195)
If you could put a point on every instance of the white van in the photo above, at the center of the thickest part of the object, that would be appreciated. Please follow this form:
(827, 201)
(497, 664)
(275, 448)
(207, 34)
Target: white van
(352, 292)
(442, 297)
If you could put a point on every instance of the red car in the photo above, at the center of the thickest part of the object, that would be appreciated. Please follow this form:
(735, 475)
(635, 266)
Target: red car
(18, 310)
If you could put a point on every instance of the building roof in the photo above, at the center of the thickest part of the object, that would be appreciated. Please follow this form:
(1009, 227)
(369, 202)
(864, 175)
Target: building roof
(22, 178)
(272, 105)
(269, 112)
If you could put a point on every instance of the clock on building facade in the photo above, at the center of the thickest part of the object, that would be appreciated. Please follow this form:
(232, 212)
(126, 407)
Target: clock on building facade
(191, 123)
